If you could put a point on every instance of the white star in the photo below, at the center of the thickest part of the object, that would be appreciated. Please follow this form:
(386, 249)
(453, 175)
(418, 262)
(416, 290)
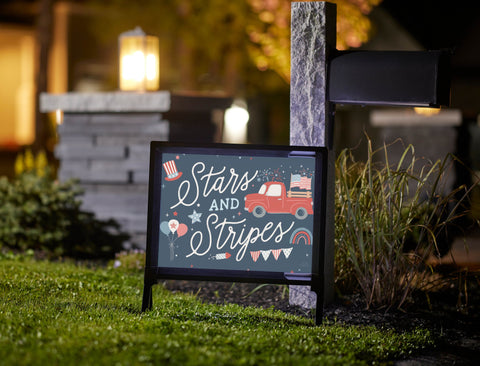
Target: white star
(195, 216)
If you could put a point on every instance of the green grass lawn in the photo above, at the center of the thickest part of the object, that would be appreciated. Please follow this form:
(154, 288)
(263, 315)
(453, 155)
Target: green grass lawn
(63, 314)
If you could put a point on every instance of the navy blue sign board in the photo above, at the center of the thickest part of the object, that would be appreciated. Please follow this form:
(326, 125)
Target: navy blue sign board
(240, 213)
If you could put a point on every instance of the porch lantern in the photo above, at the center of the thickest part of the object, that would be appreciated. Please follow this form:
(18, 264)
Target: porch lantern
(139, 61)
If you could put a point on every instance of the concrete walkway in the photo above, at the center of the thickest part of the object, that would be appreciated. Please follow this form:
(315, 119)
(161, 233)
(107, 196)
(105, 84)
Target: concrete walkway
(465, 253)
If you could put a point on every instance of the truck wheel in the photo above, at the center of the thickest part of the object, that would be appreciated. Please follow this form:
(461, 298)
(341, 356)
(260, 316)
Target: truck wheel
(301, 213)
(259, 211)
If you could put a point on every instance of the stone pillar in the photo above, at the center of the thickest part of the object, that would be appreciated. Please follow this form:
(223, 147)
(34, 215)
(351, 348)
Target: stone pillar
(313, 37)
(104, 142)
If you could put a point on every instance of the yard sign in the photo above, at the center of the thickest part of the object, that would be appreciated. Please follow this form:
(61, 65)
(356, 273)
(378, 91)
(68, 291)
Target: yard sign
(235, 213)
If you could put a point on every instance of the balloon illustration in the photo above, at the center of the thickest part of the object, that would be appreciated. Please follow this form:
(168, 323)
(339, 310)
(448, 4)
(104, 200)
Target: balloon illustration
(173, 225)
(169, 228)
(182, 230)
(164, 227)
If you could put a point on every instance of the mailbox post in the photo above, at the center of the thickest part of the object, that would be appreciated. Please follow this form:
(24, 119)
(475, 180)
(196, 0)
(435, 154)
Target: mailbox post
(322, 77)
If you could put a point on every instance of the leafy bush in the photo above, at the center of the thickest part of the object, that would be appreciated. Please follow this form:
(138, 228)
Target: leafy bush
(130, 261)
(41, 214)
(389, 220)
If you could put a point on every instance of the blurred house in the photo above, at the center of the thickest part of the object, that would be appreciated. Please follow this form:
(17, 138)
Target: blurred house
(19, 68)
(78, 62)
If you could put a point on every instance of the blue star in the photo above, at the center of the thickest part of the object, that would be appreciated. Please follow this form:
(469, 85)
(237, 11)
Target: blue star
(195, 216)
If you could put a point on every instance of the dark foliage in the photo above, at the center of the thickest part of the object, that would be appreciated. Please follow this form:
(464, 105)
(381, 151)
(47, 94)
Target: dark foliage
(39, 213)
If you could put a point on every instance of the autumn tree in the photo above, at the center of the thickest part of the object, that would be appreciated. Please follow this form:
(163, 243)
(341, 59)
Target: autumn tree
(269, 30)
(229, 45)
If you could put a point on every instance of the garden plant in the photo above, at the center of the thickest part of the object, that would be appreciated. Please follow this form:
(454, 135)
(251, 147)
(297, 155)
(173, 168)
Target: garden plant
(44, 215)
(390, 220)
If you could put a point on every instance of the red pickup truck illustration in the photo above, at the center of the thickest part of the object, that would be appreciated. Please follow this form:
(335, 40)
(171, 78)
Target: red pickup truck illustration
(274, 198)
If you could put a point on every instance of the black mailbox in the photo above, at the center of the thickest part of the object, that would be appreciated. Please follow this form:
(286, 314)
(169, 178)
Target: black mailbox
(412, 78)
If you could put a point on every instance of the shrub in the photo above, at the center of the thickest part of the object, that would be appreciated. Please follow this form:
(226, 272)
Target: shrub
(389, 220)
(41, 214)
(129, 261)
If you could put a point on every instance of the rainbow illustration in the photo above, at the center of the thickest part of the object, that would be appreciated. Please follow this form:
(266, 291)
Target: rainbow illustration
(301, 234)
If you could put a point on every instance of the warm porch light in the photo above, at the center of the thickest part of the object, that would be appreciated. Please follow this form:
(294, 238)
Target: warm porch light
(236, 120)
(427, 111)
(59, 116)
(139, 61)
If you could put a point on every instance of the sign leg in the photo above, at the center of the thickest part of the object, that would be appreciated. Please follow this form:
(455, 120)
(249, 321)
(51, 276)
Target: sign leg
(147, 302)
(318, 287)
(319, 308)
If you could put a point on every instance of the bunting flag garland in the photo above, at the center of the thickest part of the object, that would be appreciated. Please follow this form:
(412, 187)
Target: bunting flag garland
(255, 255)
(287, 252)
(265, 254)
(276, 253)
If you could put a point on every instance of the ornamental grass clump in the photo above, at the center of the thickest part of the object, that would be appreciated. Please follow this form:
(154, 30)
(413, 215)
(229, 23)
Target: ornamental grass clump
(389, 220)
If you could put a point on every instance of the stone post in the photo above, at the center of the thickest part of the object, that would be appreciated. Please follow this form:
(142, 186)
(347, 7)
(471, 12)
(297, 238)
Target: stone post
(313, 38)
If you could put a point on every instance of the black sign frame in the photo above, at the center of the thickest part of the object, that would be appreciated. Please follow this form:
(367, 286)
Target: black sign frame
(154, 273)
